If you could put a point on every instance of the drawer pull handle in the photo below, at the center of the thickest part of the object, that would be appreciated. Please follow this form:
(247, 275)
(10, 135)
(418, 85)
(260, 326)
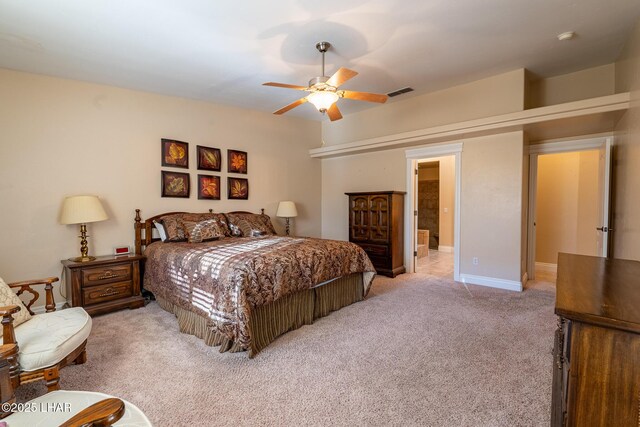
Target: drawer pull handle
(109, 292)
(108, 275)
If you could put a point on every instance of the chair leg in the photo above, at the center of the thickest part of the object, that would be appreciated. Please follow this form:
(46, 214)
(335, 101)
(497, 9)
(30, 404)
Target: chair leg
(52, 378)
(82, 357)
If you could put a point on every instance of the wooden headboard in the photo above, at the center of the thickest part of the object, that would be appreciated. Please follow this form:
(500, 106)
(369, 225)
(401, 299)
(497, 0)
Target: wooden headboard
(144, 229)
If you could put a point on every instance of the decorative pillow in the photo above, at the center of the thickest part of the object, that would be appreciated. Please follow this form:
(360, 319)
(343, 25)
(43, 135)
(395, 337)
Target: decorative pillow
(222, 220)
(203, 231)
(173, 228)
(234, 230)
(161, 232)
(247, 231)
(259, 224)
(8, 297)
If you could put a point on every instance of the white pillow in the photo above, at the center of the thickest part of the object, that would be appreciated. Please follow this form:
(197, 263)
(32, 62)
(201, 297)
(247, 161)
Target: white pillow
(8, 297)
(161, 231)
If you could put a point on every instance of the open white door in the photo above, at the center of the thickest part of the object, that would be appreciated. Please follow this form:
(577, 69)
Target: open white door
(415, 217)
(604, 229)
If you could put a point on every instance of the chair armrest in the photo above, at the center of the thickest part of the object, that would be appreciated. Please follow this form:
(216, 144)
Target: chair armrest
(8, 333)
(100, 414)
(25, 285)
(47, 281)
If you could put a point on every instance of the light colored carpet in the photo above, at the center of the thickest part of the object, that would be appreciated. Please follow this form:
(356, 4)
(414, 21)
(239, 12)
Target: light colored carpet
(418, 351)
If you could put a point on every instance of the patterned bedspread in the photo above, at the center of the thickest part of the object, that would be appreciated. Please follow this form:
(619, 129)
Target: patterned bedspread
(223, 280)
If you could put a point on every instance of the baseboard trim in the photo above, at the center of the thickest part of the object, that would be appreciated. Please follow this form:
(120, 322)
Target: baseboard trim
(545, 266)
(448, 249)
(40, 308)
(492, 282)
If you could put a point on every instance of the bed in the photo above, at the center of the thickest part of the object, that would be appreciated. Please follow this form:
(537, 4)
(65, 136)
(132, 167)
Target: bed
(243, 290)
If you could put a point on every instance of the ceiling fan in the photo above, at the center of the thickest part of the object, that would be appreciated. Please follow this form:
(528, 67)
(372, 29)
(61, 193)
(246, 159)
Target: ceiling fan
(324, 90)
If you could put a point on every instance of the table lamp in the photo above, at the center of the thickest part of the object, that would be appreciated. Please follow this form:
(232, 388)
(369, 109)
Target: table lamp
(82, 210)
(287, 210)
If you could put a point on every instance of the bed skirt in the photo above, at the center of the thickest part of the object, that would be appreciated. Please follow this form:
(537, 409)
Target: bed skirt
(270, 321)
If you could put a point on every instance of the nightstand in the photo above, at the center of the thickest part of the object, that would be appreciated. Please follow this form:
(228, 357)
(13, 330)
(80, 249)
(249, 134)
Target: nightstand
(104, 285)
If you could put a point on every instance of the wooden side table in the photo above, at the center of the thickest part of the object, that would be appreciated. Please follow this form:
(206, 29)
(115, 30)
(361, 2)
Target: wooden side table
(107, 284)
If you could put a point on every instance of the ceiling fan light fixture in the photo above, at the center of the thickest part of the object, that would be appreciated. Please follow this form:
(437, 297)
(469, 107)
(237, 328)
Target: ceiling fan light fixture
(323, 99)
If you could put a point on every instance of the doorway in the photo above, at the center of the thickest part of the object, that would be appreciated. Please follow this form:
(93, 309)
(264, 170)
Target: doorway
(569, 203)
(435, 206)
(432, 218)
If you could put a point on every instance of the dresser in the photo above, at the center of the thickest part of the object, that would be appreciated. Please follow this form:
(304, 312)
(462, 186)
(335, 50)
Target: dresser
(376, 224)
(106, 284)
(596, 366)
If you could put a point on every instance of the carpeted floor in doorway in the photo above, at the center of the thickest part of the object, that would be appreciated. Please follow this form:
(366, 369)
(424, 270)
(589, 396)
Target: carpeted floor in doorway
(418, 351)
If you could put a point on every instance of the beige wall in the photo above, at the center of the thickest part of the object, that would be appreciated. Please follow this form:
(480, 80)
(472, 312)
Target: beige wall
(491, 206)
(62, 137)
(447, 199)
(379, 171)
(626, 219)
(499, 94)
(583, 84)
(567, 205)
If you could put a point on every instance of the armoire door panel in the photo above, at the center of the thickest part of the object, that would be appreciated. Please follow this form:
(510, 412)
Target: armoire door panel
(359, 218)
(379, 218)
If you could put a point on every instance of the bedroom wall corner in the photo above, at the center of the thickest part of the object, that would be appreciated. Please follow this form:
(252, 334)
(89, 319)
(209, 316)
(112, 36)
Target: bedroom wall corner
(63, 137)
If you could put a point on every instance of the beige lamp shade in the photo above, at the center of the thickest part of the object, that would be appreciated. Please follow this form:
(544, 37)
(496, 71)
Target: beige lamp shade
(81, 210)
(287, 209)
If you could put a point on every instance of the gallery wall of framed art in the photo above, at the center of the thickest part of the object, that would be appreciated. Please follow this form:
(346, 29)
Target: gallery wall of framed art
(175, 154)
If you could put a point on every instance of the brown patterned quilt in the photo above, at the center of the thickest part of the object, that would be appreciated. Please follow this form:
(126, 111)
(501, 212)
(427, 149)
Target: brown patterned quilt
(222, 280)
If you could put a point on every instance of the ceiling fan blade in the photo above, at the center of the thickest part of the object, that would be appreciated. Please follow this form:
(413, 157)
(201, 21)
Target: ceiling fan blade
(341, 76)
(291, 106)
(364, 96)
(334, 112)
(285, 85)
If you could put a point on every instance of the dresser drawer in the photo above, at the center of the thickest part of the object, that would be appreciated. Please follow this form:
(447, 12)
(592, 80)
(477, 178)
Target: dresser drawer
(375, 250)
(107, 292)
(106, 274)
(380, 262)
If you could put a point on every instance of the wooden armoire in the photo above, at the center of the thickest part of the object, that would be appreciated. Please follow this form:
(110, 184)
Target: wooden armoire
(376, 224)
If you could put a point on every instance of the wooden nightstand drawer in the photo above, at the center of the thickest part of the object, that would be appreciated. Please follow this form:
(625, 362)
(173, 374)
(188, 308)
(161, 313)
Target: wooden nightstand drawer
(108, 292)
(106, 274)
(105, 284)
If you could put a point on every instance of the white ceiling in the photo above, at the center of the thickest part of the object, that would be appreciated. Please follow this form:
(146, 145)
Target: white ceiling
(222, 51)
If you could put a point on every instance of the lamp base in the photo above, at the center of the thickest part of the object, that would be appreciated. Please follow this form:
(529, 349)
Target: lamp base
(82, 259)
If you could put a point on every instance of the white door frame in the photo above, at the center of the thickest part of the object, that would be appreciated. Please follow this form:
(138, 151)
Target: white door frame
(413, 156)
(558, 147)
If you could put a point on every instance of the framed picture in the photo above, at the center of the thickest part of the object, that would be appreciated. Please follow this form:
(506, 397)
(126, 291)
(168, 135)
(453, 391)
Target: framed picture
(209, 159)
(237, 161)
(208, 187)
(238, 188)
(175, 184)
(175, 153)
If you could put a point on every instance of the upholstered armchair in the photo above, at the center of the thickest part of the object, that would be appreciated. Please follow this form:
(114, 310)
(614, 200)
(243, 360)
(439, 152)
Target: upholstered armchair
(74, 408)
(45, 342)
